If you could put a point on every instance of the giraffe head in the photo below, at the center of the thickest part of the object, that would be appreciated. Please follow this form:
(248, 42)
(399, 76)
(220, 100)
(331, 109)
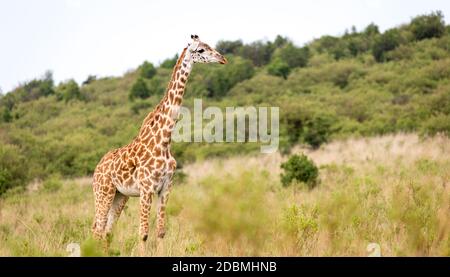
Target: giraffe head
(203, 53)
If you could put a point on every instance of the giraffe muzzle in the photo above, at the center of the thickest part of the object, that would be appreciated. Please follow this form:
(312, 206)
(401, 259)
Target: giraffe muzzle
(223, 60)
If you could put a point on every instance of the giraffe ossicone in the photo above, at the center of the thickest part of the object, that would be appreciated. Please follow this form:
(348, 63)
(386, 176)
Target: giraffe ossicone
(144, 168)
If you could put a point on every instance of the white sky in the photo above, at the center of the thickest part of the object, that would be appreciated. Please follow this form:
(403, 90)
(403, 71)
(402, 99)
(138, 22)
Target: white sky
(75, 38)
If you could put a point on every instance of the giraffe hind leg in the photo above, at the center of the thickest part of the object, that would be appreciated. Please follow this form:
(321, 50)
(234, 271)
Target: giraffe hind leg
(104, 192)
(118, 205)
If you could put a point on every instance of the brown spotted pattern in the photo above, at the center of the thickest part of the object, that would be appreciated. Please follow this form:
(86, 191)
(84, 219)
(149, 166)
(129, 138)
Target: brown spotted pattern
(144, 168)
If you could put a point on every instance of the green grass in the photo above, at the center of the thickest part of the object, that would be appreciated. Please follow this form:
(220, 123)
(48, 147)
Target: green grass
(393, 190)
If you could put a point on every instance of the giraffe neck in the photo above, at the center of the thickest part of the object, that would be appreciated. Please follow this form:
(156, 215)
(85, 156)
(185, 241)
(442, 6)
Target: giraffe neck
(168, 109)
(175, 90)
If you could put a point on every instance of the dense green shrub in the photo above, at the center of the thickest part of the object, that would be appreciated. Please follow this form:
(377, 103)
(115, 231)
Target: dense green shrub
(147, 70)
(140, 105)
(139, 90)
(13, 168)
(221, 79)
(169, 63)
(371, 30)
(428, 26)
(6, 115)
(68, 91)
(258, 52)
(292, 55)
(226, 47)
(339, 74)
(52, 184)
(317, 131)
(279, 68)
(326, 43)
(299, 169)
(436, 124)
(33, 90)
(385, 43)
(89, 79)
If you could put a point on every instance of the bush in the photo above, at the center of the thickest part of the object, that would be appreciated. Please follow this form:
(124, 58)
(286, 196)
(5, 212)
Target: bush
(317, 131)
(428, 26)
(13, 168)
(279, 68)
(90, 79)
(385, 43)
(35, 89)
(439, 123)
(229, 47)
(258, 52)
(147, 70)
(52, 184)
(221, 79)
(138, 106)
(293, 56)
(371, 30)
(299, 169)
(139, 90)
(6, 115)
(169, 63)
(67, 91)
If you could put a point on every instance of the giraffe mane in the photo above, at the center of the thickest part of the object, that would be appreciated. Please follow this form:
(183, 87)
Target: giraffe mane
(151, 115)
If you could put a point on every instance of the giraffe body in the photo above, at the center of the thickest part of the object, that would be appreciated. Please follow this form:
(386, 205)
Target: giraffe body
(145, 167)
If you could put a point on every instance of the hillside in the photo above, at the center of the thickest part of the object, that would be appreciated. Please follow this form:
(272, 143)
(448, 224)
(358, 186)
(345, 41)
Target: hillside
(392, 190)
(364, 83)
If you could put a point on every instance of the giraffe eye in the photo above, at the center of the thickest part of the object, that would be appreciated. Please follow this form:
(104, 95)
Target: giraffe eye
(201, 51)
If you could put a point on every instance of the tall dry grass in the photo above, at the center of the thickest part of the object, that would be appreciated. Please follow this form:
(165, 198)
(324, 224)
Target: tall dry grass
(392, 190)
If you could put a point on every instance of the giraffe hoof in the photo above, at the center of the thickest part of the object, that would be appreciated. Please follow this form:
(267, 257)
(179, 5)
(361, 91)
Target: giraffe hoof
(161, 234)
(144, 238)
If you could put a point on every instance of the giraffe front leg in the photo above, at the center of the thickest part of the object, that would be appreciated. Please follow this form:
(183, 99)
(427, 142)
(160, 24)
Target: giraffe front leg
(163, 197)
(145, 201)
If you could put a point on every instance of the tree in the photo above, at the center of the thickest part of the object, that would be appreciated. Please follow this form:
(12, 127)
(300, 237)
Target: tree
(68, 91)
(385, 43)
(147, 70)
(428, 26)
(139, 90)
(37, 88)
(336, 47)
(6, 115)
(279, 68)
(371, 30)
(260, 53)
(280, 41)
(169, 63)
(292, 55)
(90, 79)
(219, 81)
(13, 167)
(317, 131)
(229, 46)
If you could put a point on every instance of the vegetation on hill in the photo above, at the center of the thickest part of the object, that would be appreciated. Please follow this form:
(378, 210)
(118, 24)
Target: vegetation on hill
(360, 84)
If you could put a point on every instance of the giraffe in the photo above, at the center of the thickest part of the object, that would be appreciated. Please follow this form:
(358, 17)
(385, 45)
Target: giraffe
(144, 168)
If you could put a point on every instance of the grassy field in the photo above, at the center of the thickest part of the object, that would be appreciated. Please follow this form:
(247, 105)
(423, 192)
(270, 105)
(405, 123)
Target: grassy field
(392, 190)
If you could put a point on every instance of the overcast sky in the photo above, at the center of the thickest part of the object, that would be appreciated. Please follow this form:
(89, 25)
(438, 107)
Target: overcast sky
(75, 38)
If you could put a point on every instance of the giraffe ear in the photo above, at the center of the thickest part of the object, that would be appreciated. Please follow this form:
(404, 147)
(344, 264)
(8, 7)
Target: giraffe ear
(194, 37)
